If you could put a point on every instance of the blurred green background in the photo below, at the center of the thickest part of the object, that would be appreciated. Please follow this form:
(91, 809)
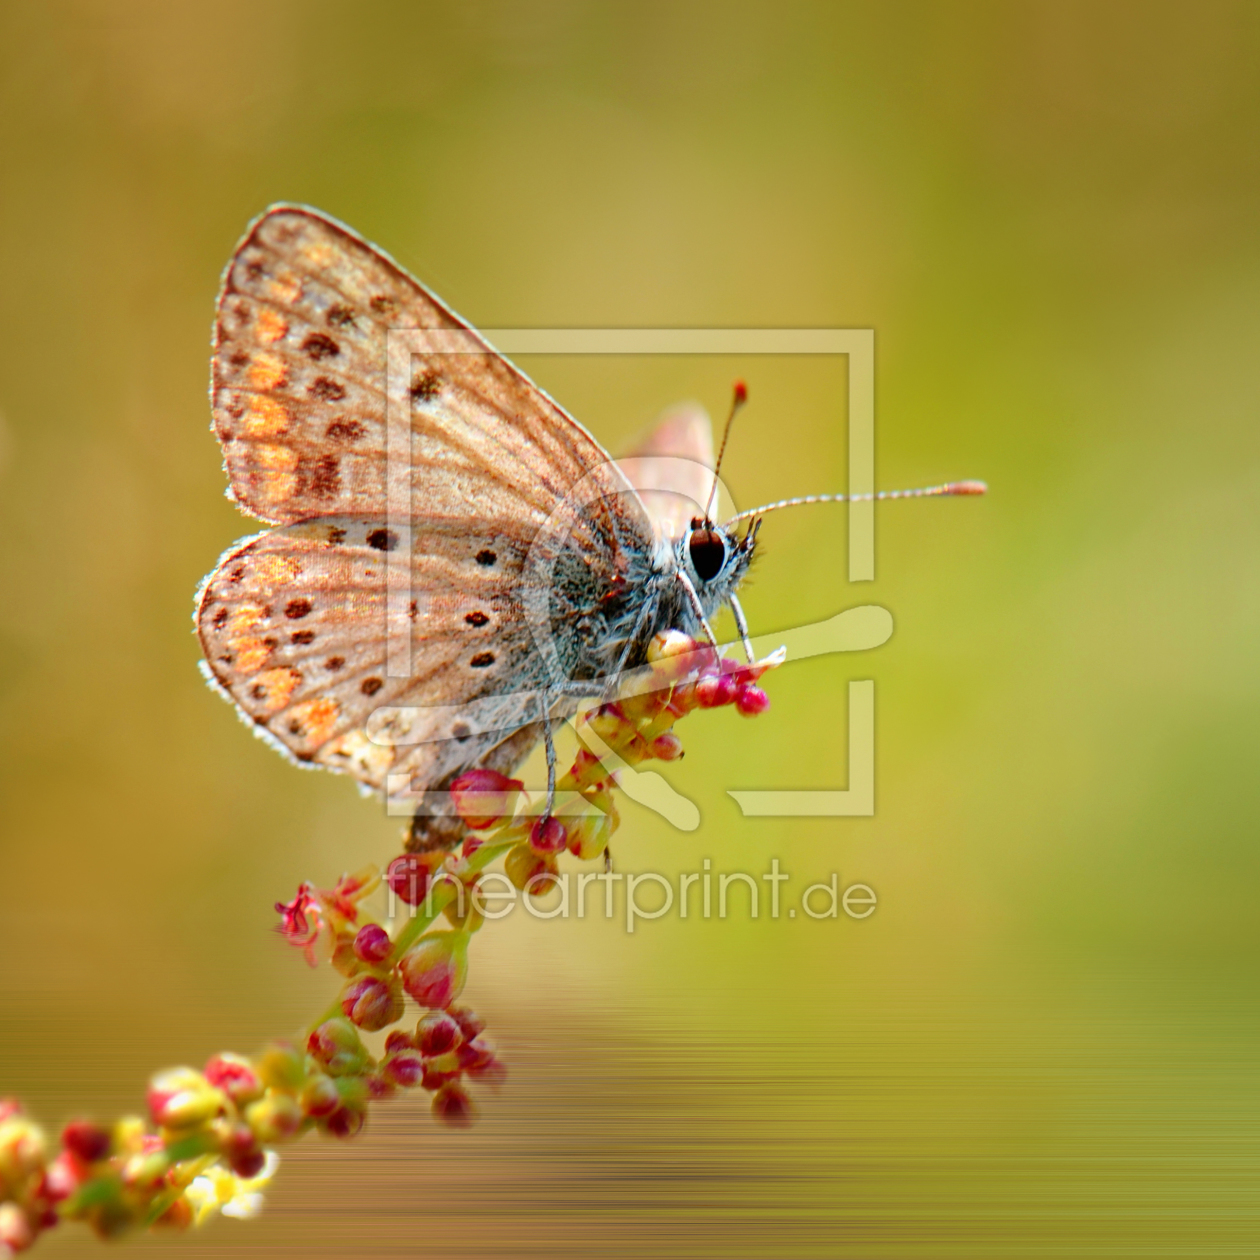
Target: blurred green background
(1044, 1040)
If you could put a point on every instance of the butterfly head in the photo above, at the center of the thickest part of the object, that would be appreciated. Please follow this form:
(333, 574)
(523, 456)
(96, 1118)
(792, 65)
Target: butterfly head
(715, 558)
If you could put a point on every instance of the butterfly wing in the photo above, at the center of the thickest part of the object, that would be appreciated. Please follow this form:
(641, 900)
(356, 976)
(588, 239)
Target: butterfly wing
(299, 389)
(295, 623)
(672, 468)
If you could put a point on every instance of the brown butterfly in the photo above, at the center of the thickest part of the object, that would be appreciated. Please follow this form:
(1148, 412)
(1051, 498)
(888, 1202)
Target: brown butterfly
(537, 571)
(293, 622)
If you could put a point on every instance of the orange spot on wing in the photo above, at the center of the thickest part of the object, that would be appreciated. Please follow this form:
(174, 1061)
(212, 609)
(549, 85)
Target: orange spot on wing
(273, 688)
(251, 654)
(244, 618)
(318, 255)
(265, 418)
(317, 719)
(276, 472)
(266, 371)
(277, 570)
(285, 289)
(356, 753)
(270, 326)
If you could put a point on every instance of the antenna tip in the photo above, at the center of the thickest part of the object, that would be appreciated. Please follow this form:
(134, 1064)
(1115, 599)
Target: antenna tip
(741, 393)
(966, 487)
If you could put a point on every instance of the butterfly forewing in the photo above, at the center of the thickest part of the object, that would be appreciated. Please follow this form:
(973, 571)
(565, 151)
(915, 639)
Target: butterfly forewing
(299, 389)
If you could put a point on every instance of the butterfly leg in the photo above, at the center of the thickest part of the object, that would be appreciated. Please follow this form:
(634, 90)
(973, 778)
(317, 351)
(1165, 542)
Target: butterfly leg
(549, 746)
(742, 625)
(698, 608)
(646, 615)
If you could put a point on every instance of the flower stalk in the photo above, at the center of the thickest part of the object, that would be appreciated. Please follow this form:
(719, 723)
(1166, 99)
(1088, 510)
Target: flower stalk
(208, 1144)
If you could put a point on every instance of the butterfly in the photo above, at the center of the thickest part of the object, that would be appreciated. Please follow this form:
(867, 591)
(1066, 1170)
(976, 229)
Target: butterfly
(537, 567)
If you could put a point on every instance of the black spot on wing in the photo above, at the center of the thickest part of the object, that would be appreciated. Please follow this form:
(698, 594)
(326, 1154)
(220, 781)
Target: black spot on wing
(320, 345)
(326, 389)
(425, 387)
(326, 481)
(345, 431)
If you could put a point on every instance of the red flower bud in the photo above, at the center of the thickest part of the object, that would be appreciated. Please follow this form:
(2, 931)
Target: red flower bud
(88, 1141)
(235, 1076)
(371, 1003)
(181, 1098)
(409, 877)
(372, 943)
(379, 1087)
(281, 1067)
(335, 1044)
(320, 1096)
(671, 643)
(435, 968)
(64, 1176)
(667, 747)
(453, 1107)
(715, 690)
(529, 870)
(751, 700)
(405, 1069)
(248, 1163)
(345, 1122)
(484, 798)
(474, 1054)
(275, 1118)
(470, 1023)
(437, 1032)
(398, 1040)
(548, 836)
(590, 833)
(587, 770)
(437, 1076)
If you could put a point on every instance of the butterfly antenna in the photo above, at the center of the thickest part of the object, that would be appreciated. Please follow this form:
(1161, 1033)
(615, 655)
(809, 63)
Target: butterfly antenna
(740, 398)
(925, 492)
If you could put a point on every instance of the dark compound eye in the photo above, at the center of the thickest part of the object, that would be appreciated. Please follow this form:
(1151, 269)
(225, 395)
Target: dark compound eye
(708, 553)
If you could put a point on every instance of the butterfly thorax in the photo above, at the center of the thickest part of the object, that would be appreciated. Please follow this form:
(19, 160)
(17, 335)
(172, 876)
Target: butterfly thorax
(600, 627)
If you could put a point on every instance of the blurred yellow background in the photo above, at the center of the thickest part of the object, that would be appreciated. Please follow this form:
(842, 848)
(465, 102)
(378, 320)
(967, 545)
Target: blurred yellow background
(1044, 1040)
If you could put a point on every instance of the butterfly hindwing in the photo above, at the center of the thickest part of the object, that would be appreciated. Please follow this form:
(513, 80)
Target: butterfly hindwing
(671, 467)
(294, 626)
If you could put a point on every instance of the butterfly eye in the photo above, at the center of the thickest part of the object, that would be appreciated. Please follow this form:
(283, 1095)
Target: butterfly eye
(708, 553)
